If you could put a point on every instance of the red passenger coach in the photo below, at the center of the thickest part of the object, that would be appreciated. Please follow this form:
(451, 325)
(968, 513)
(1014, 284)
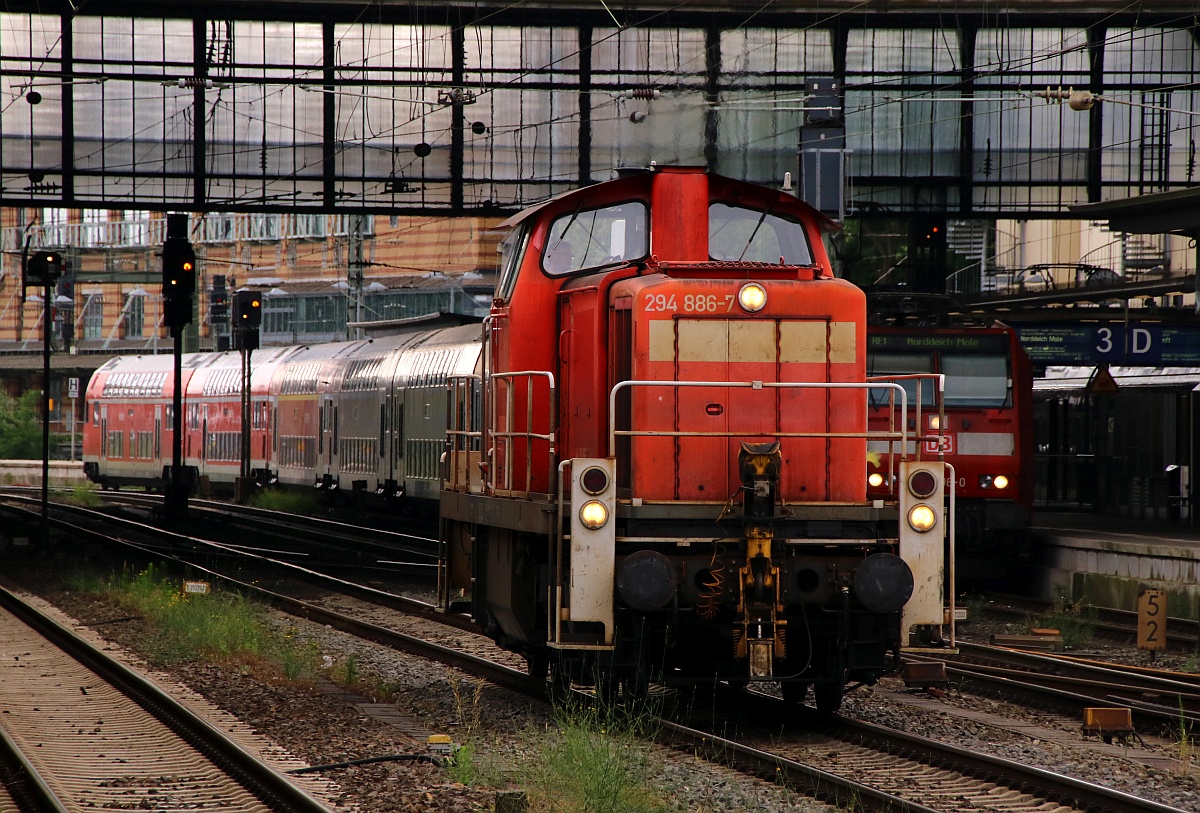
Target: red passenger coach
(666, 477)
(128, 435)
(980, 424)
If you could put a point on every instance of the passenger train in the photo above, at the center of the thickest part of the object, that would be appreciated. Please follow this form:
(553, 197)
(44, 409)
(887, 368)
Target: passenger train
(650, 461)
(979, 422)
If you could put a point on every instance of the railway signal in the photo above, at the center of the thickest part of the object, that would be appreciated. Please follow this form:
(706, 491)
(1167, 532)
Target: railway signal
(179, 284)
(178, 274)
(43, 269)
(247, 318)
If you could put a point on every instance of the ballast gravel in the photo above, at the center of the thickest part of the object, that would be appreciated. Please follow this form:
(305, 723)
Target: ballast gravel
(326, 725)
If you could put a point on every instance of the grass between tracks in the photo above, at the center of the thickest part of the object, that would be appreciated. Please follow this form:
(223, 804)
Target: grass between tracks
(590, 760)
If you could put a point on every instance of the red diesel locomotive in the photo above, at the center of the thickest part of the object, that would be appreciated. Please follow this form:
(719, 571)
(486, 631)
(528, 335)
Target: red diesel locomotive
(651, 462)
(669, 477)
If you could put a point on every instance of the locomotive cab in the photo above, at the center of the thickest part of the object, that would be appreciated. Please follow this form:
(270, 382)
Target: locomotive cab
(675, 460)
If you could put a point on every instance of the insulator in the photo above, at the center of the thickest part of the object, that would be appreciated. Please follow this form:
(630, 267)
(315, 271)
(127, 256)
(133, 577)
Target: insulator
(194, 82)
(645, 94)
(1081, 100)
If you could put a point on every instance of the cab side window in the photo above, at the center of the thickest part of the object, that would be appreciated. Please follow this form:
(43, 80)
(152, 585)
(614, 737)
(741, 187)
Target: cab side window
(593, 238)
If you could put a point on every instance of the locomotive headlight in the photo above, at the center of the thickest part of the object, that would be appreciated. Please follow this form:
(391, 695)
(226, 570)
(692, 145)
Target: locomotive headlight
(752, 297)
(935, 422)
(922, 518)
(593, 514)
(1000, 482)
(875, 480)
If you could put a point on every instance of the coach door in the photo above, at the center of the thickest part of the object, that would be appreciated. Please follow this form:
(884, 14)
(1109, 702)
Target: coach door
(157, 433)
(104, 431)
(327, 435)
(203, 455)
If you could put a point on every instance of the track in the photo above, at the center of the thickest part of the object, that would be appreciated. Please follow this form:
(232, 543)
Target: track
(1159, 700)
(874, 768)
(1181, 632)
(93, 734)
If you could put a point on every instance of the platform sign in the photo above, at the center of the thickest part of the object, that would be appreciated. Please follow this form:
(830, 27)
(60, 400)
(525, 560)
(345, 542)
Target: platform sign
(72, 387)
(1152, 620)
(1137, 345)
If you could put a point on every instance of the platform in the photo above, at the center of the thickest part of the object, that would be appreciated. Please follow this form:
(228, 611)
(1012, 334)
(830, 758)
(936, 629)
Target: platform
(1109, 560)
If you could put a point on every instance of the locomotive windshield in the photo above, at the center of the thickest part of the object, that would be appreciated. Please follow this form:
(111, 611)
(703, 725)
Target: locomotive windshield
(889, 364)
(975, 380)
(592, 238)
(751, 235)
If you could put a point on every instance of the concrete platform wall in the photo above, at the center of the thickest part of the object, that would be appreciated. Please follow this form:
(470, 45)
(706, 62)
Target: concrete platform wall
(1110, 570)
(29, 473)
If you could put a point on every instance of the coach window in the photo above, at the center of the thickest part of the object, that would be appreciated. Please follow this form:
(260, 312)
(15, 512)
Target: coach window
(740, 234)
(512, 252)
(594, 238)
(976, 380)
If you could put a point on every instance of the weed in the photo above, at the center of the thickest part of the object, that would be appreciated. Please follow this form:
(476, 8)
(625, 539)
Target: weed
(187, 626)
(297, 656)
(467, 707)
(292, 502)
(84, 496)
(1074, 620)
(596, 760)
(1185, 749)
(350, 675)
(462, 767)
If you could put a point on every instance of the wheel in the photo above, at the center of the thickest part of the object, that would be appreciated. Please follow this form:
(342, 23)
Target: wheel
(829, 695)
(794, 692)
(537, 665)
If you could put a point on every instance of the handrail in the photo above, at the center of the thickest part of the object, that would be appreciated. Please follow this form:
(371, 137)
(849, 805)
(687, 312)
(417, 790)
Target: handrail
(460, 438)
(507, 435)
(919, 433)
(613, 432)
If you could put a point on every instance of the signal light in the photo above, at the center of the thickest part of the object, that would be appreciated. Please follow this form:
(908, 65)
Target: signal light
(922, 518)
(594, 480)
(922, 483)
(593, 514)
(247, 309)
(43, 269)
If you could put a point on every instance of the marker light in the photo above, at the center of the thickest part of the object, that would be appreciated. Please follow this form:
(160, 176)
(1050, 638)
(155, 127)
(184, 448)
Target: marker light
(752, 297)
(922, 483)
(593, 514)
(875, 480)
(1001, 481)
(594, 480)
(922, 518)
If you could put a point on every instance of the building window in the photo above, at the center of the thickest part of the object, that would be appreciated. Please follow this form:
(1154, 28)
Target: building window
(135, 316)
(93, 317)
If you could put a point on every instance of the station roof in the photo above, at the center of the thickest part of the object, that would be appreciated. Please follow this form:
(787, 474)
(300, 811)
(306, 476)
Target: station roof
(1176, 212)
(622, 13)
